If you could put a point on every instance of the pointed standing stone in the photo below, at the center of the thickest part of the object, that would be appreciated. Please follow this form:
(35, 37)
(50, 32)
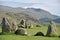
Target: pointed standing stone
(8, 25)
(52, 29)
(5, 25)
(22, 24)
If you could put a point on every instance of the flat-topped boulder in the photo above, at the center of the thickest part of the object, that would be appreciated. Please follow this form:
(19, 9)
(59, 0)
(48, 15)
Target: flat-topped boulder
(21, 31)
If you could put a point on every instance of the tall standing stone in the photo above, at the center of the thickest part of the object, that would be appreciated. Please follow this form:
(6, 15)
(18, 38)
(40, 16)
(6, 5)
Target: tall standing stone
(52, 29)
(5, 25)
(8, 25)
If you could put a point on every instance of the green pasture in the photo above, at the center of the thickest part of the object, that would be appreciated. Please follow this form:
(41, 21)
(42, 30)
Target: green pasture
(31, 33)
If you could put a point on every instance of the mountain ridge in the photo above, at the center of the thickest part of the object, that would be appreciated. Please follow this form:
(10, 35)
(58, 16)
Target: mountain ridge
(32, 12)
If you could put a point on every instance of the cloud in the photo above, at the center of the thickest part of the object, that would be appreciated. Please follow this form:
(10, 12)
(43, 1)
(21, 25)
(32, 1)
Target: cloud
(52, 6)
(24, 1)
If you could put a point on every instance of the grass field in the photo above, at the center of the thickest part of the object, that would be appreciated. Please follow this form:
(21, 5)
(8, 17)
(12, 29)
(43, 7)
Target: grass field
(31, 32)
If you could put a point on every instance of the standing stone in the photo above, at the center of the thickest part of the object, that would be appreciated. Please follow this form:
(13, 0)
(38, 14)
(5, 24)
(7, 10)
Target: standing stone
(13, 27)
(5, 25)
(30, 26)
(21, 31)
(8, 25)
(59, 36)
(22, 24)
(52, 30)
(21, 28)
(26, 26)
(39, 34)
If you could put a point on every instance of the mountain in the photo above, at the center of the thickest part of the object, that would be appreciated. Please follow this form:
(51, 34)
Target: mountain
(45, 20)
(36, 14)
(57, 20)
(40, 13)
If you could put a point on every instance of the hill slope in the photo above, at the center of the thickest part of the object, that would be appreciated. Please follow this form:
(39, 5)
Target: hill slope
(18, 17)
(36, 13)
(32, 13)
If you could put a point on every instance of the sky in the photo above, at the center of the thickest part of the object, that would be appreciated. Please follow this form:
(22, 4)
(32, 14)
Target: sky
(53, 6)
